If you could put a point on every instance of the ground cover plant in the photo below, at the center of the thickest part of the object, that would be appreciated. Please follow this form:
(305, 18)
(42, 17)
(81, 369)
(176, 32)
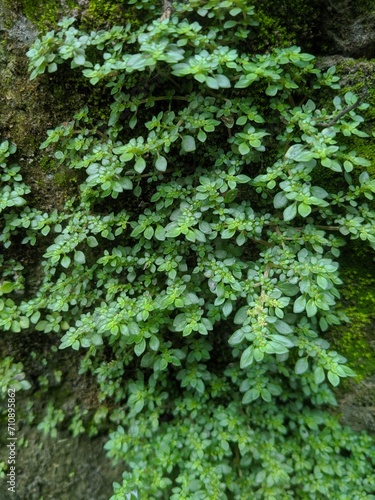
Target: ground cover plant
(196, 265)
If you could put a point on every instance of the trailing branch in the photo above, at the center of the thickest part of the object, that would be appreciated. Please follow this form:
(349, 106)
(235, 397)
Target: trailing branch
(167, 10)
(342, 113)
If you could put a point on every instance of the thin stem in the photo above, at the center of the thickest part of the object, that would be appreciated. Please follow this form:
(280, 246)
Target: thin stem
(342, 113)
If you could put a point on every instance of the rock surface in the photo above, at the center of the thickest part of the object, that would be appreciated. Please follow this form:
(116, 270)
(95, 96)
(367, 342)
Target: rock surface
(348, 28)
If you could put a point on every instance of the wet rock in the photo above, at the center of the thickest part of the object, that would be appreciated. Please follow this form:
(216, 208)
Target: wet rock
(357, 407)
(349, 28)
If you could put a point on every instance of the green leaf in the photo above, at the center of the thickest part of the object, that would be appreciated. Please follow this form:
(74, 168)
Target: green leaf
(133, 121)
(227, 308)
(333, 378)
(160, 233)
(265, 394)
(241, 239)
(92, 241)
(280, 200)
(154, 343)
(299, 153)
(227, 233)
(250, 395)
(304, 210)
(290, 212)
(237, 337)
(79, 59)
(52, 67)
(76, 345)
(247, 357)
(311, 308)
(65, 261)
(79, 257)
(243, 148)
(235, 11)
(272, 90)
(288, 289)
(302, 366)
(6, 287)
(319, 375)
(149, 233)
(140, 165)
(241, 315)
(241, 120)
(188, 143)
(231, 195)
(223, 81)
(283, 327)
(140, 348)
(202, 136)
(299, 304)
(161, 164)
(173, 232)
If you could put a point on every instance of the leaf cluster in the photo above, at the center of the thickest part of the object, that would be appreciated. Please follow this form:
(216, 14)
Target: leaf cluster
(203, 255)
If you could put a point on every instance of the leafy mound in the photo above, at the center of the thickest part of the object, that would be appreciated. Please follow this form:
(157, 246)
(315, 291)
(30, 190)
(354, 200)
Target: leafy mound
(198, 266)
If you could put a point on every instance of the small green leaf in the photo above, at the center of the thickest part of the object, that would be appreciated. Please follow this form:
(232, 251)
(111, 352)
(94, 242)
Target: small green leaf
(237, 337)
(251, 395)
(243, 148)
(247, 357)
(319, 375)
(333, 378)
(299, 304)
(304, 210)
(140, 165)
(161, 164)
(272, 90)
(202, 136)
(160, 233)
(188, 143)
(65, 261)
(6, 287)
(241, 315)
(288, 289)
(297, 152)
(140, 348)
(302, 366)
(79, 257)
(154, 343)
(227, 308)
(290, 212)
(149, 233)
(311, 308)
(92, 241)
(280, 200)
(283, 327)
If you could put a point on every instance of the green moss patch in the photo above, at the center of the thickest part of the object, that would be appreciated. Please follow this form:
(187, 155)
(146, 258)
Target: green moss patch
(356, 340)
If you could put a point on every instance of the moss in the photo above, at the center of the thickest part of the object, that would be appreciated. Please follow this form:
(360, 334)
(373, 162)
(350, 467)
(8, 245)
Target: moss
(356, 340)
(284, 23)
(44, 14)
(102, 14)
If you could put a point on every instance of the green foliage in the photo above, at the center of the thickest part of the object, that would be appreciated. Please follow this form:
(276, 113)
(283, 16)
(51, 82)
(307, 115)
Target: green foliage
(11, 185)
(11, 376)
(51, 419)
(198, 265)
